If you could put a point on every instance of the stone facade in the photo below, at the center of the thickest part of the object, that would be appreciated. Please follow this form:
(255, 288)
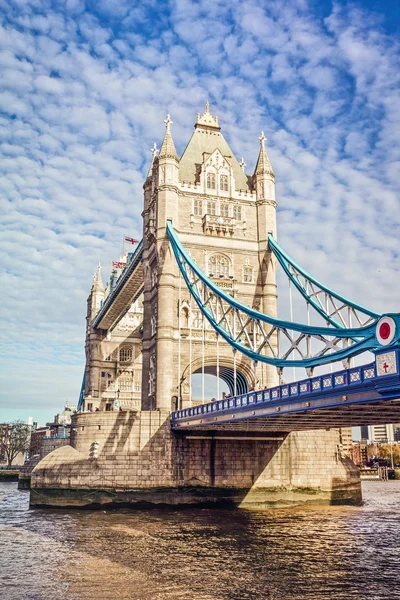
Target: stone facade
(223, 218)
(134, 458)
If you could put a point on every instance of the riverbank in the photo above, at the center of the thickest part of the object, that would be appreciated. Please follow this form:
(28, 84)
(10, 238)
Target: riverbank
(9, 474)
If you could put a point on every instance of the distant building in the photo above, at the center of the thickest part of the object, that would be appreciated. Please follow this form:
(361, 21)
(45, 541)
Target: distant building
(381, 434)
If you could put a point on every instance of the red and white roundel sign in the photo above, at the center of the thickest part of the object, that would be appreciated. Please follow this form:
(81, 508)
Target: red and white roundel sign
(385, 330)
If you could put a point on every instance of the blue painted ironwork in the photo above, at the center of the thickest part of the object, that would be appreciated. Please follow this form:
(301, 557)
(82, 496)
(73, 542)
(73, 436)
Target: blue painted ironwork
(258, 335)
(357, 385)
(311, 289)
(82, 393)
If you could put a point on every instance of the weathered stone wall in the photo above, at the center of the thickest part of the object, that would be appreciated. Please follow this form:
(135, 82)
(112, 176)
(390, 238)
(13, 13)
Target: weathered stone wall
(138, 460)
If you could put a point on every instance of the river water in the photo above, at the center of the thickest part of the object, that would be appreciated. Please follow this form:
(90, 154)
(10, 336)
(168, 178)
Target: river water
(322, 553)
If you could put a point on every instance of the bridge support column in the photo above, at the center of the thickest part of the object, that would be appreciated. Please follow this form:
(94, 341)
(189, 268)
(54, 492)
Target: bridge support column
(128, 458)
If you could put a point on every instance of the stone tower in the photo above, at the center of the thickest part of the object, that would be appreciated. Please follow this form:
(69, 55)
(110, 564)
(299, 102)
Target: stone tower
(223, 218)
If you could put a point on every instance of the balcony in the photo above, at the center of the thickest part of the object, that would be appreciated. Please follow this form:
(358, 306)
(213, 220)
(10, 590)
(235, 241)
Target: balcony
(214, 224)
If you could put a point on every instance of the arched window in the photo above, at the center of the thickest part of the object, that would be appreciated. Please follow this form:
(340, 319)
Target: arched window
(237, 212)
(211, 208)
(223, 183)
(198, 208)
(211, 181)
(224, 210)
(125, 354)
(219, 265)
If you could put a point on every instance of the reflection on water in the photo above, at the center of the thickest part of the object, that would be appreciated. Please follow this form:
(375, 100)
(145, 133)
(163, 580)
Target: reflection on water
(314, 553)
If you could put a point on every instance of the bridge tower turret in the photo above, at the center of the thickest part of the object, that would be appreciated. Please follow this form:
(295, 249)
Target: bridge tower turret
(160, 276)
(93, 336)
(264, 184)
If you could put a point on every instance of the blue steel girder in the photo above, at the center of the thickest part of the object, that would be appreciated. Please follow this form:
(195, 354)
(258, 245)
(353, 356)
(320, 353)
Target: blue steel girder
(358, 396)
(333, 307)
(260, 336)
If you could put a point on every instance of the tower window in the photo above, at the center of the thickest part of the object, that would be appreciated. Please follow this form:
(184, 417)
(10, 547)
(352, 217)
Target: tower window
(125, 354)
(125, 383)
(219, 265)
(223, 183)
(198, 208)
(237, 213)
(211, 208)
(224, 210)
(248, 274)
(211, 181)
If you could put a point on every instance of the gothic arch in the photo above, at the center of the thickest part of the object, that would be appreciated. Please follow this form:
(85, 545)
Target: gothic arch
(244, 372)
(219, 264)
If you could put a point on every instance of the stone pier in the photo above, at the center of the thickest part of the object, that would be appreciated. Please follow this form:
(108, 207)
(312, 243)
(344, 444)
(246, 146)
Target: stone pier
(131, 458)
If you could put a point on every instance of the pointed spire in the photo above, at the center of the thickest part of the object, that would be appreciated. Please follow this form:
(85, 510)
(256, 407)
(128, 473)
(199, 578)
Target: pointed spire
(263, 166)
(97, 281)
(154, 152)
(167, 149)
(242, 164)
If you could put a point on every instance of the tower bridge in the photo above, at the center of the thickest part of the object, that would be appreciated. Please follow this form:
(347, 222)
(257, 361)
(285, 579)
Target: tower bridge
(199, 296)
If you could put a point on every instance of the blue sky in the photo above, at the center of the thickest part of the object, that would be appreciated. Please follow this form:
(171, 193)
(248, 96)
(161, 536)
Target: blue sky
(85, 86)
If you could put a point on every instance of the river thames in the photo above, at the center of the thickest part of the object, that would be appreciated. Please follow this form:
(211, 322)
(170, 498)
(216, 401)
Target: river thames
(339, 553)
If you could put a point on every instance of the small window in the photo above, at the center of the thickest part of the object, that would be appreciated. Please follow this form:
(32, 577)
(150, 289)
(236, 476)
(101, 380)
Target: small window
(224, 210)
(198, 208)
(223, 183)
(211, 208)
(125, 354)
(108, 407)
(108, 357)
(90, 406)
(125, 383)
(237, 213)
(211, 181)
(248, 274)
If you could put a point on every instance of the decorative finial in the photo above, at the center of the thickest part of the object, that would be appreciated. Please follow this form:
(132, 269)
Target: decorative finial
(95, 275)
(262, 139)
(154, 150)
(207, 106)
(168, 123)
(242, 163)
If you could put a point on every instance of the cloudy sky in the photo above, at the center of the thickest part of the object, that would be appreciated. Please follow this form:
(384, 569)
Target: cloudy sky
(85, 86)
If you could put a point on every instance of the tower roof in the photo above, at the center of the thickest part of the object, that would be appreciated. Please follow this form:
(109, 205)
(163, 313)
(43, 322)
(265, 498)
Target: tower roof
(263, 166)
(206, 138)
(168, 149)
(97, 281)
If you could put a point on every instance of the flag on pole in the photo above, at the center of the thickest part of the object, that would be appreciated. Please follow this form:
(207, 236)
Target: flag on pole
(131, 240)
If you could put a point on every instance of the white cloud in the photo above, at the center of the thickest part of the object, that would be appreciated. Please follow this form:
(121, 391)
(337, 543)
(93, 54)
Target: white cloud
(84, 93)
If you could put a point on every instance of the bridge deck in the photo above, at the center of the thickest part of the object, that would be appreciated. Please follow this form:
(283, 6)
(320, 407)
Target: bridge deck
(128, 288)
(352, 397)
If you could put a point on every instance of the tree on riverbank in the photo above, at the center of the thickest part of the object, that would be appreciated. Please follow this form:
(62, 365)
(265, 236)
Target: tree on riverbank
(14, 439)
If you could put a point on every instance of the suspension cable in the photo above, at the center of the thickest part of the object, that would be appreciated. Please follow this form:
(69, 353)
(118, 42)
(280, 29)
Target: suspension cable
(217, 336)
(234, 372)
(190, 349)
(203, 358)
(179, 403)
(291, 319)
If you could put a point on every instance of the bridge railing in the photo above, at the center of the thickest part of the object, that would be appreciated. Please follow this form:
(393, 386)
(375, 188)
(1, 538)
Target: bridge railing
(338, 381)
